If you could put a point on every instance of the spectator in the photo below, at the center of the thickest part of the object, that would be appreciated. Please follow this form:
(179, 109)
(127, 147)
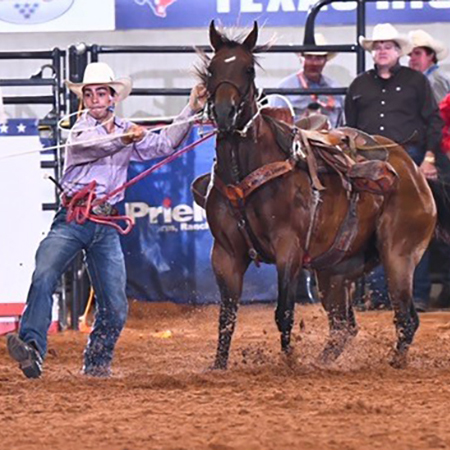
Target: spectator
(424, 57)
(397, 102)
(311, 77)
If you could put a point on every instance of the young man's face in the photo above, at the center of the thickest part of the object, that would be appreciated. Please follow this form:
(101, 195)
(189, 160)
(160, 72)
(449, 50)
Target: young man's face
(385, 53)
(420, 60)
(98, 99)
(313, 66)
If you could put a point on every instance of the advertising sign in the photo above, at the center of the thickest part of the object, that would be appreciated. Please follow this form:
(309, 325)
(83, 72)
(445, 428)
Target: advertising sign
(198, 13)
(56, 15)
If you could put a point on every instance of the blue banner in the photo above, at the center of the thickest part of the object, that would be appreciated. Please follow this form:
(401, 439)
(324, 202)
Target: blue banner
(168, 252)
(198, 13)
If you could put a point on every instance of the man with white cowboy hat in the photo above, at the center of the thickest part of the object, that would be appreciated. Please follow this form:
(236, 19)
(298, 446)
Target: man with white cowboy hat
(425, 56)
(311, 77)
(397, 102)
(99, 149)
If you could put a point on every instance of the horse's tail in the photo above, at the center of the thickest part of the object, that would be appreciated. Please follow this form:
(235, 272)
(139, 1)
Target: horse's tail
(441, 194)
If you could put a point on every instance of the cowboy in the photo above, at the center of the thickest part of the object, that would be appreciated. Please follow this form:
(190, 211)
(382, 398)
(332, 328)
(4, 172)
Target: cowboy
(425, 56)
(396, 102)
(311, 77)
(100, 148)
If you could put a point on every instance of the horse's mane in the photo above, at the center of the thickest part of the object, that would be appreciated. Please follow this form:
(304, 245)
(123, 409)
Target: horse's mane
(230, 39)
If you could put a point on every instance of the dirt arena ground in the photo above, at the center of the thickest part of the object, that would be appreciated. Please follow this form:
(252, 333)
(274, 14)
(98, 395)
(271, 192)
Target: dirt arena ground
(163, 397)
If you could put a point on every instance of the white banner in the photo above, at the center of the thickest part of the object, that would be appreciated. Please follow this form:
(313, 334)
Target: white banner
(23, 190)
(56, 15)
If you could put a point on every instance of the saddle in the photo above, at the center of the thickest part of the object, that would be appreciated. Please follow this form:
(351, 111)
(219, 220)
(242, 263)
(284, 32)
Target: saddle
(313, 122)
(356, 157)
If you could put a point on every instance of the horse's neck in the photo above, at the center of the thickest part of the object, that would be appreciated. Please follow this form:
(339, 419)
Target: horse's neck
(237, 156)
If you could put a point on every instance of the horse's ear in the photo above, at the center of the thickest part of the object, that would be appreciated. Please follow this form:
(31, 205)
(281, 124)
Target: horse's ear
(214, 37)
(250, 40)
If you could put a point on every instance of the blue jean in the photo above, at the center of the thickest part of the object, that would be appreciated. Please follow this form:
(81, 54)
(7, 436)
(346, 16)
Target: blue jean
(106, 266)
(415, 153)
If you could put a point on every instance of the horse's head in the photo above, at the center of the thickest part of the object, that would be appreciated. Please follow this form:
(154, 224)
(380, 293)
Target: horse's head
(229, 78)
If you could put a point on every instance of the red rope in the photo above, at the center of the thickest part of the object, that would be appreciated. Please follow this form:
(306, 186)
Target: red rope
(79, 208)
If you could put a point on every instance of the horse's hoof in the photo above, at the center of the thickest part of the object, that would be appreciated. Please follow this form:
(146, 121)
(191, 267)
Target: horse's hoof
(398, 360)
(290, 357)
(218, 365)
(330, 353)
(328, 356)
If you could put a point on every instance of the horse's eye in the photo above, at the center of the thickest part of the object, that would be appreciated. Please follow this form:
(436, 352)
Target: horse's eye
(251, 70)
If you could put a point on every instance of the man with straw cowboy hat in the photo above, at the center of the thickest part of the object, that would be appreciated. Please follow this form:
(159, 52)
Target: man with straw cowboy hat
(425, 56)
(311, 76)
(396, 102)
(99, 149)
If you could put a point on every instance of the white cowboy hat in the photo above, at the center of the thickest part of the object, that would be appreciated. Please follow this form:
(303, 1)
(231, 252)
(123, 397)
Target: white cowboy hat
(101, 73)
(420, 38)
(386, 32)
(319, 39)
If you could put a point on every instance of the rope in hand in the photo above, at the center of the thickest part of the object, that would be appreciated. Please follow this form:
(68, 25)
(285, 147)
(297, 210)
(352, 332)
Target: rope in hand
(100, 139)
(81, 205)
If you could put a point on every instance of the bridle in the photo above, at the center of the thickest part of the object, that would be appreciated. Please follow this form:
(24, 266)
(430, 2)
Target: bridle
(243, 99)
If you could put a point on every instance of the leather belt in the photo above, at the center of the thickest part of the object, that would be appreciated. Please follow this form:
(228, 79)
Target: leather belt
(104, 209)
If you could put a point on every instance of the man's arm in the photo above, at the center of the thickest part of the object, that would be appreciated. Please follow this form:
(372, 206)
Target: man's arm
(155, 145)
(440, 85)
(350, 110)
(429, 112)
(433, 129)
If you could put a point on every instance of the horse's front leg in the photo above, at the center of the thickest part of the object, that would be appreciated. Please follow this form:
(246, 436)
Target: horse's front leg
(229, 271)
(288, 268)
(334, 292)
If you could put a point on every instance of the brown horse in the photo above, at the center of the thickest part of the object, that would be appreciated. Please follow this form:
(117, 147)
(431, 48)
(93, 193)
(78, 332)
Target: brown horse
(287, 221)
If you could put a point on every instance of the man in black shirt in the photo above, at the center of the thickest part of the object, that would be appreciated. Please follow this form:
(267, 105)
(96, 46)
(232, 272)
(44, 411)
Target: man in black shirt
(396, 102)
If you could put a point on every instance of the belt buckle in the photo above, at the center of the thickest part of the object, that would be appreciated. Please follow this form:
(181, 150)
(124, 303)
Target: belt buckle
(104, 209)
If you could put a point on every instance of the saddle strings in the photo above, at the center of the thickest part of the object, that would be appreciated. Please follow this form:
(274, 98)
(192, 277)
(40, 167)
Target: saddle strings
(262, 103)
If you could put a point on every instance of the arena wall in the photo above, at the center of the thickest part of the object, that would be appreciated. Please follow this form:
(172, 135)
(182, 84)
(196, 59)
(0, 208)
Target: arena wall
(175, 70)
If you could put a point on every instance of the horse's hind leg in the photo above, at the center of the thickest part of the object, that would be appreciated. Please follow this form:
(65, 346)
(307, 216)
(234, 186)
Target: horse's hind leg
(334, 292)
(399, 273)
(229, 273)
